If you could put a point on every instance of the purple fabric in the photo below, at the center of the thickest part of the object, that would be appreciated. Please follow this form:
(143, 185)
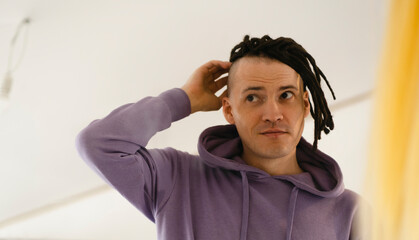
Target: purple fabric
(214, 195)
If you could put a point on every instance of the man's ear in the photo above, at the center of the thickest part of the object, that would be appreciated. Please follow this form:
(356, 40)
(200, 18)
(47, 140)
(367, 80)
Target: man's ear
(306, 104)
(227, 110)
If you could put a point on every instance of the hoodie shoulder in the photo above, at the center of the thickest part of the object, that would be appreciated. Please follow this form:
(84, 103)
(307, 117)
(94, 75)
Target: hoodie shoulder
(349, 199)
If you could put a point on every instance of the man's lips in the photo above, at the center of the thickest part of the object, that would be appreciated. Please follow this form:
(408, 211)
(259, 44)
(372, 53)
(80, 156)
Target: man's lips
(273, 132)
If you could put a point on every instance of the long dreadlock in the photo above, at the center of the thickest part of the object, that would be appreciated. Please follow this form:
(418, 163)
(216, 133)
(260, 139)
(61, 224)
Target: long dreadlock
(287, 51)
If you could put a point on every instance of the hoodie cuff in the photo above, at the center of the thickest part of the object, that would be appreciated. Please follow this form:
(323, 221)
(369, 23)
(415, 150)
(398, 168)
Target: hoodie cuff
(178, 102)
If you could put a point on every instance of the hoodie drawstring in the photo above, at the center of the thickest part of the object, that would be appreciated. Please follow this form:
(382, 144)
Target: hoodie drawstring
(291, 211)
(245, 212)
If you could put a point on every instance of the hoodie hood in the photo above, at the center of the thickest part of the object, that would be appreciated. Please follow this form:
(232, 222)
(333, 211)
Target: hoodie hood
(221, 147)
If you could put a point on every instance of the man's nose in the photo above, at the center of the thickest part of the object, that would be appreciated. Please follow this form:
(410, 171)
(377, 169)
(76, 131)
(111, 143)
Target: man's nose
(272, 111)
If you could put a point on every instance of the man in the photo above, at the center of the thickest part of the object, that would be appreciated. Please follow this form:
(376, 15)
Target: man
(255, 178)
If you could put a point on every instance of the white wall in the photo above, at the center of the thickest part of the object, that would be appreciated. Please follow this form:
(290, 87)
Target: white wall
(85, 58)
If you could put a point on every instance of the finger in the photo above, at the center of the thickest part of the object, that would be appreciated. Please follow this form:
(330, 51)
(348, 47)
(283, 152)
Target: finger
(223, 95)
(220, 83)
(215, 65)
(217, 69)
(217, 74)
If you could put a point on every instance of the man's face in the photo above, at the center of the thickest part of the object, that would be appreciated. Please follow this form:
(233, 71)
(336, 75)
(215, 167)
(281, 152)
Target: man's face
(267, 105)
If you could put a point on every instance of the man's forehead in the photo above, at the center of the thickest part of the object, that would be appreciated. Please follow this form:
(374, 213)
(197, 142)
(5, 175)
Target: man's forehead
(263, 70)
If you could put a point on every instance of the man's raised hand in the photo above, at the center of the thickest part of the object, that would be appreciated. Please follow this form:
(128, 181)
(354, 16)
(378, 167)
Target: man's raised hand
(203, 84)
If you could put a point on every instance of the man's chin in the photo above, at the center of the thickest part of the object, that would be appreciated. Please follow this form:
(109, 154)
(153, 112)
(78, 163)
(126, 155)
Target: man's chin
(276, 153)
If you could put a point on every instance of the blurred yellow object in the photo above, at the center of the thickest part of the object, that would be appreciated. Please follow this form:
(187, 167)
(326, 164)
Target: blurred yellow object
(392, 181)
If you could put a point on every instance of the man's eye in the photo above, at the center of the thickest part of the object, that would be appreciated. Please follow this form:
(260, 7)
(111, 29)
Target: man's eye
(286, 95)
(251, 98)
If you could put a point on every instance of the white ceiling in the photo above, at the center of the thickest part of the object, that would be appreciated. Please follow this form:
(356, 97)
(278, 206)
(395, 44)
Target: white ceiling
(85, 58)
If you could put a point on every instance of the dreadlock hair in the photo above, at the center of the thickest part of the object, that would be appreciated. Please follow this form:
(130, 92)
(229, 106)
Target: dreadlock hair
(287, 51)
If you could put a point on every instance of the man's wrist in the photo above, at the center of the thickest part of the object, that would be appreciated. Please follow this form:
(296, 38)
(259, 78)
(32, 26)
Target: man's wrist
(188, 93)
(178, 103)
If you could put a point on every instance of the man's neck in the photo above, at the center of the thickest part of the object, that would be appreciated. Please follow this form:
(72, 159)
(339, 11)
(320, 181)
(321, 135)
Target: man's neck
(286, 165)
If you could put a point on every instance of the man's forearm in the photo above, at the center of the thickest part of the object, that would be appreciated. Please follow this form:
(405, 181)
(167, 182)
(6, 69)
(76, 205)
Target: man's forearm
(129, 127)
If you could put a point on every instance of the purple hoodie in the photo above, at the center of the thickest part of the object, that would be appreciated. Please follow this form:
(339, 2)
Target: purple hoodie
(215, 195)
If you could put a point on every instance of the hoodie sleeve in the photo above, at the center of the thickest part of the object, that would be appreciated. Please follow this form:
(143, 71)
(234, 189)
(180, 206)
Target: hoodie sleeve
(114, 147)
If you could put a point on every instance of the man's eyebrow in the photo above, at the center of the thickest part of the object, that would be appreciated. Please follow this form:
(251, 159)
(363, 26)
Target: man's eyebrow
(252, 88)
(288, 87)
(261, 88)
